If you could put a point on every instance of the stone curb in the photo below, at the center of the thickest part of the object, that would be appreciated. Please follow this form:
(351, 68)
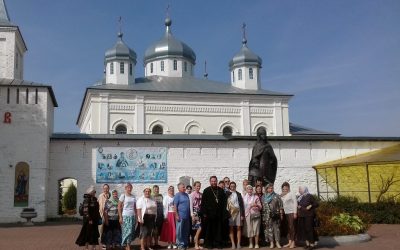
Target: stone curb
(343, 240)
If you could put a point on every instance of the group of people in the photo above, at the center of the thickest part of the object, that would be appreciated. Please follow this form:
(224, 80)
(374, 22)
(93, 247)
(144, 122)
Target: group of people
(220, 215)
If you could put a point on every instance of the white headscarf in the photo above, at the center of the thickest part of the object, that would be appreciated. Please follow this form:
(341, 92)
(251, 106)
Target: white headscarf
(90, 190)
(305, 192)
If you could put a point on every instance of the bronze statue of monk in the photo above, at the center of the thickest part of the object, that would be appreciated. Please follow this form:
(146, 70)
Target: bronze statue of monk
(263, 164)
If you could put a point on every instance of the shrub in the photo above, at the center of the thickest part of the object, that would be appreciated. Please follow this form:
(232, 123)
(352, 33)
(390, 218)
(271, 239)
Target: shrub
(352, 221)
(329, 227)
(332, 208)
(69, 199)
(387, 211)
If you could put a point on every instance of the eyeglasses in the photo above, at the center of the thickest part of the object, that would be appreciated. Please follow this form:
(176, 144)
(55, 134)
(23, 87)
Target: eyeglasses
(226, 181)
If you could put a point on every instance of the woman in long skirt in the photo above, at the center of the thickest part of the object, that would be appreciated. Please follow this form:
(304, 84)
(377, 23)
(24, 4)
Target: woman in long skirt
(306, 205)
(127, 216)
(158, 198)
(252, 219)
(89, 234)
(112, 228)
(168, 232)
(272, 215)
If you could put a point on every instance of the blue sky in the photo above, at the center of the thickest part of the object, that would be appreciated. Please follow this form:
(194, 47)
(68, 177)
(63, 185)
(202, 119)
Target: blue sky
(341, 59)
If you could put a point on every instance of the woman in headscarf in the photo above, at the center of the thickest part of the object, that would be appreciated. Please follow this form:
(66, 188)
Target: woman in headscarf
(252, 218)
(112, 228)
(158, 198)
(272, 215)
(260, 192)
(306, 205)
(89, 234)
(290, 208)
(127, 216)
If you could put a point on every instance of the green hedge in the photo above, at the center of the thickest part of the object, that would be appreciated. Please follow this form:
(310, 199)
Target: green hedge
(338, 216)
(386, 211)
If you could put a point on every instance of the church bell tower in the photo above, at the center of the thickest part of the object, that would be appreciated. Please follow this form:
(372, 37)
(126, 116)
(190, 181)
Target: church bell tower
(12, 47)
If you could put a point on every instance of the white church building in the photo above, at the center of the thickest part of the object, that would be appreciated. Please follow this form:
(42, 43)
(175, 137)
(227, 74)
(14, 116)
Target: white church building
(150, 129)
(169, 99)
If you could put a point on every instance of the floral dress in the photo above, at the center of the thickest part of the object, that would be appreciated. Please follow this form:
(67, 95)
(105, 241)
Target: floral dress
(271, 216)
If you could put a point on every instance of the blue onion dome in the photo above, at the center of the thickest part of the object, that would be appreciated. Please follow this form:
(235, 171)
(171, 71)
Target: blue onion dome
(169, 46)
(120, 51)
(245, 56)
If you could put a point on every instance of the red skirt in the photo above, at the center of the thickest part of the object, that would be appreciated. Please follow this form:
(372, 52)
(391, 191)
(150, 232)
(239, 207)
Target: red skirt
(168, 232)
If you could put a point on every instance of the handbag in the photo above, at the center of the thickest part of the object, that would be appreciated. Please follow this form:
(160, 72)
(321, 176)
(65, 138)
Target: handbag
(255, 216)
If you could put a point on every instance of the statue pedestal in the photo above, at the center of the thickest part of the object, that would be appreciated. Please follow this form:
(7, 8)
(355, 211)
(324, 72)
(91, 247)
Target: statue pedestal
(28, 214)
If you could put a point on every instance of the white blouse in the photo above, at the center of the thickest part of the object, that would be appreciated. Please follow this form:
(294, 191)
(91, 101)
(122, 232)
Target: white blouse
(234, 199)
(168, 203)
(289, 203)
(147, 206)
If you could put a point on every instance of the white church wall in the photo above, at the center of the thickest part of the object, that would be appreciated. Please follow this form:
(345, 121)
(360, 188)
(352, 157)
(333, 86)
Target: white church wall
(143, 109)
(180, 124)
(25, 139)
(200, 160)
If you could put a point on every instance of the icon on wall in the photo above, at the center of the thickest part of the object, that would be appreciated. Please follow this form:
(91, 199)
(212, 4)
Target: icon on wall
(21, 187)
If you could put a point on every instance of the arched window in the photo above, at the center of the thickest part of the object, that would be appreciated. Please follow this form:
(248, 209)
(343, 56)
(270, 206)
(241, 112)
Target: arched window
(194, 130)
(67, 189)
(120, 129)
(251, 73)
(162, 65)
(151, 67)
(175, 65)
(240, 74)
(227, 130)
(157, 130)
(111, 68)
(233, 76)
(185, 65)
(122, 68)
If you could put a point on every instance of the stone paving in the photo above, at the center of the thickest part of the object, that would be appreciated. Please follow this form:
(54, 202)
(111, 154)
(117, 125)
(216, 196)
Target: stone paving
(62, 236)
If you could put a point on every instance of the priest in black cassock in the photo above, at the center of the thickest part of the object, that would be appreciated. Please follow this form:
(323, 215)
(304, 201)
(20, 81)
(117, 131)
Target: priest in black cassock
(213, 209)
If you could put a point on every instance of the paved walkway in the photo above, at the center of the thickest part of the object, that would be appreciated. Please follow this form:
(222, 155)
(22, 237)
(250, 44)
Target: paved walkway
(57, 236)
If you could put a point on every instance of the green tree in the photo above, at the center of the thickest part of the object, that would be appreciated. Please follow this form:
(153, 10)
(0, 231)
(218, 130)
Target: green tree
(69, 199)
